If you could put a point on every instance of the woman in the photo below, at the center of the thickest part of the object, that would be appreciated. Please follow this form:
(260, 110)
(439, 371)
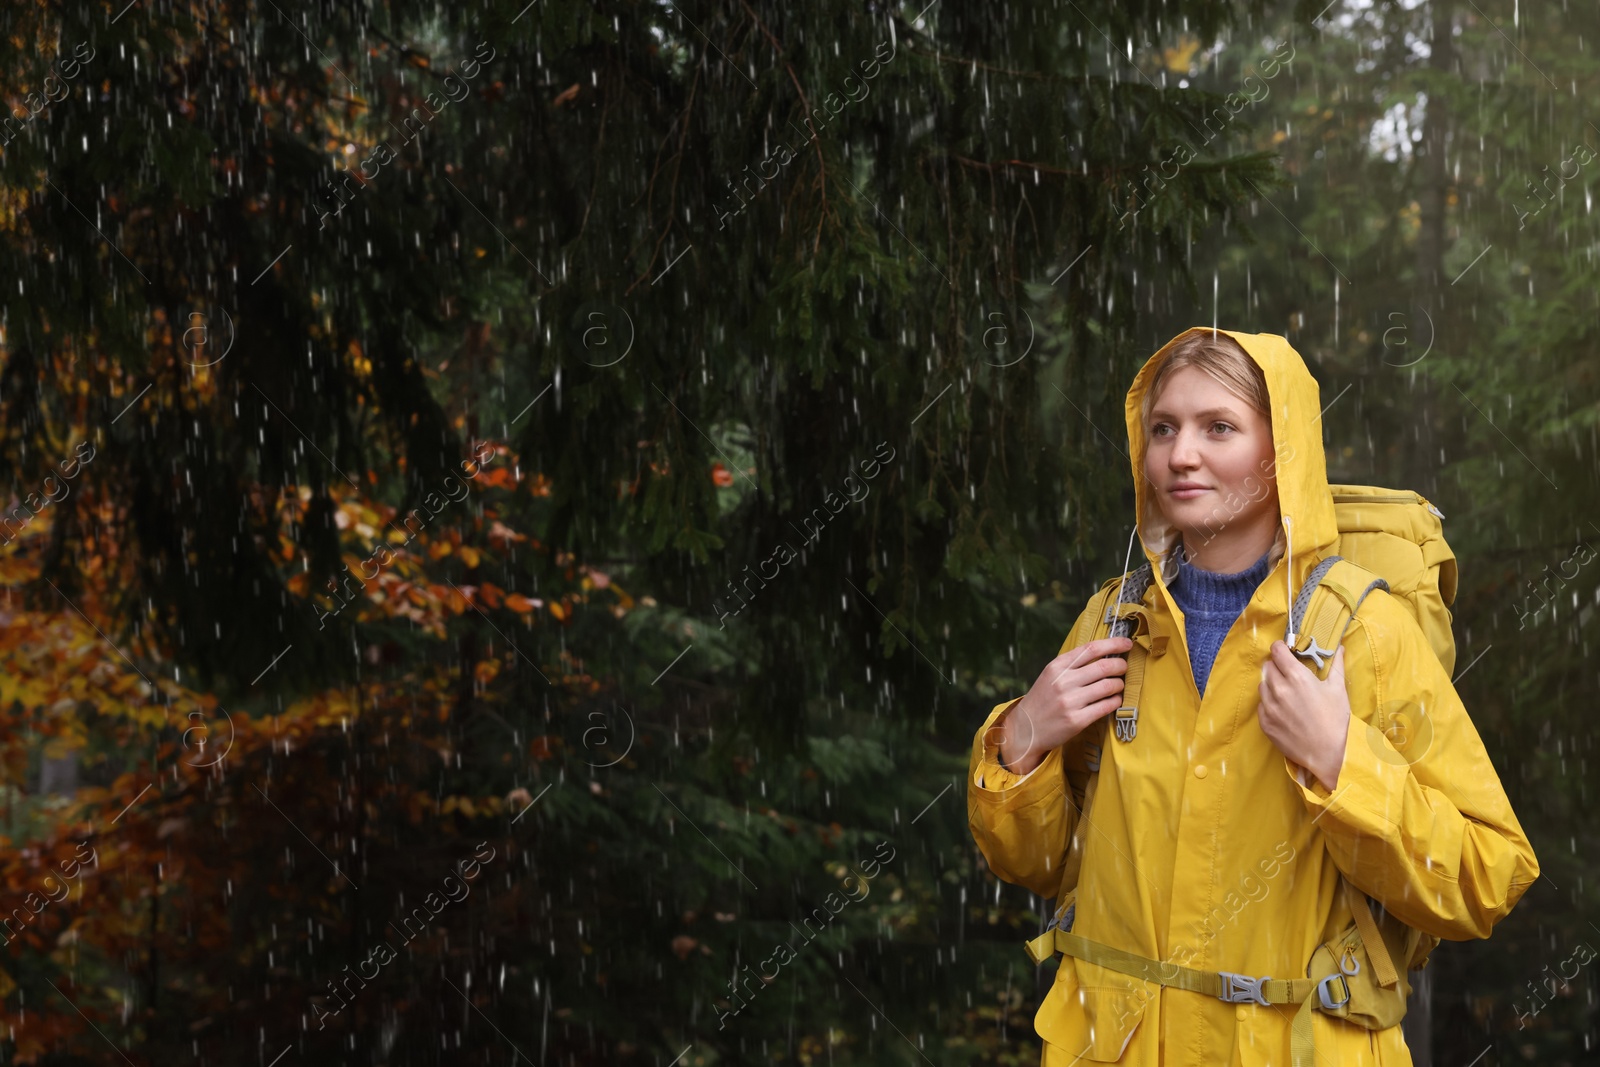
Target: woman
(1220, 828)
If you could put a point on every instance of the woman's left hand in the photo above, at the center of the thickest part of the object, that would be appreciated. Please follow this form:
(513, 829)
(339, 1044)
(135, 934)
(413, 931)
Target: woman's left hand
(1305, 716)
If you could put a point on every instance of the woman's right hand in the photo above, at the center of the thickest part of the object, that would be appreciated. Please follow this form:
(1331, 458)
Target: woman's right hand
(1077, 688)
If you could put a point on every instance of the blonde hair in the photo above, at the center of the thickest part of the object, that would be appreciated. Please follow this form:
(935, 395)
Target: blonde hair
(1220, 356)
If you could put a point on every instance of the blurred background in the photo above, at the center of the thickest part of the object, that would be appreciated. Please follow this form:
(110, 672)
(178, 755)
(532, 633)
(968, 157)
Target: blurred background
(514, 510)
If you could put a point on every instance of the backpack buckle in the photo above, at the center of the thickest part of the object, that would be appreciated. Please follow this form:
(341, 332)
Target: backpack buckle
(1329, 1004)
(1242, 989)
(1126, 725)
(1316, 653)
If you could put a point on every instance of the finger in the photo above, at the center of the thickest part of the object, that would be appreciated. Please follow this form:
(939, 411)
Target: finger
(1266, 716)
(1105, 646)
(1105, 687)
(1074, 703)
(1068, 681)
(1103, 708)
(1293, 670)
(1100, 668)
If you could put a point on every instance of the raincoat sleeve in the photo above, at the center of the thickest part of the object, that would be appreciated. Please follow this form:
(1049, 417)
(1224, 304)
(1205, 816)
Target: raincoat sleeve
(1023, 823)
(1425, 829)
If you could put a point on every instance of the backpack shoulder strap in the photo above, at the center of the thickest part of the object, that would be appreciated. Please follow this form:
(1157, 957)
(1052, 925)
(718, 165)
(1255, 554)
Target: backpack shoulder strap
(1325, 606)
(1120, 618)
(1116, 618)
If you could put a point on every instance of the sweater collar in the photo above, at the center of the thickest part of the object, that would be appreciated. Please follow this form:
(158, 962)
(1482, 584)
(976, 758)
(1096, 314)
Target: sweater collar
(1210, 588)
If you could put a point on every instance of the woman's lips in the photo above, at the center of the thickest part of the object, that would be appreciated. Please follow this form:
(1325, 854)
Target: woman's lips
(1187, 494)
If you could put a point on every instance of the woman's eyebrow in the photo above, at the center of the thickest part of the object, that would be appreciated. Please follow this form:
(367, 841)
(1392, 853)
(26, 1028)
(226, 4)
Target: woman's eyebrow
(1208, 413)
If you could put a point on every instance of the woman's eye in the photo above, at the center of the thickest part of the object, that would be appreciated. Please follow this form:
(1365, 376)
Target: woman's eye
(1156, 430)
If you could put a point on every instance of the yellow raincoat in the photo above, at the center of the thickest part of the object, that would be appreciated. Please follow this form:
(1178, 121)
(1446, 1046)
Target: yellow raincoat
(1207, 845)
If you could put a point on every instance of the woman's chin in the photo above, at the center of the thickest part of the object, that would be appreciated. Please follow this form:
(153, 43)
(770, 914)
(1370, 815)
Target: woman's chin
(1192, 516)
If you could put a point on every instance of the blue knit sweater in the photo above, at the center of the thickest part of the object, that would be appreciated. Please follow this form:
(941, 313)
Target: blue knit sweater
(1210, 603)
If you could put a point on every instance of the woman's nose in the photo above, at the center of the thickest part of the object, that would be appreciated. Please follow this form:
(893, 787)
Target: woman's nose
(1184, 455)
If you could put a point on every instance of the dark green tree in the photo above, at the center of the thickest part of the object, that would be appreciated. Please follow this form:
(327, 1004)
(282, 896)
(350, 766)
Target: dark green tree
(866, 479)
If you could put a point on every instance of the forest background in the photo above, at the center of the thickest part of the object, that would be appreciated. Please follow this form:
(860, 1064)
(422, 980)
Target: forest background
(381, 474)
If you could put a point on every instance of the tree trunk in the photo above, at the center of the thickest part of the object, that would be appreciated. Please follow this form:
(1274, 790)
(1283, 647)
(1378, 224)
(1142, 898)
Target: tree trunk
(58, 775)
(1421, 463)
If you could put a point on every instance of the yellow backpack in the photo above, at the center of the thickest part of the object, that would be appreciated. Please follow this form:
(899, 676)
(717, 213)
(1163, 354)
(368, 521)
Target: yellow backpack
(1390, 539)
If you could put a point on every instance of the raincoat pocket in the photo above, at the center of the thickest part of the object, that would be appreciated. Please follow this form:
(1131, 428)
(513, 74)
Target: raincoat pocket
(1354, 994)
(1264, 1039)
(1260, 1040)
(1093, 1023)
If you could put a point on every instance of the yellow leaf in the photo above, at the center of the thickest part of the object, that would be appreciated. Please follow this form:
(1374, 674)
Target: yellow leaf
(1179, 59)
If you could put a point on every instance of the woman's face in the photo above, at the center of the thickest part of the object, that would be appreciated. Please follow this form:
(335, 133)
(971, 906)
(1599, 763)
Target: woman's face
(1202, 435)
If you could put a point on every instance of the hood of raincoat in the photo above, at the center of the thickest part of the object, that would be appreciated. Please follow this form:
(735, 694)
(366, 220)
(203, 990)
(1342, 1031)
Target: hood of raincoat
(1307, 528)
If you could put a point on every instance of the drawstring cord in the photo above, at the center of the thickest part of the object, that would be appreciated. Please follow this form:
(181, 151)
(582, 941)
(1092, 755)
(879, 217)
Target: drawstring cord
(1111, 609)
(1288, 577)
